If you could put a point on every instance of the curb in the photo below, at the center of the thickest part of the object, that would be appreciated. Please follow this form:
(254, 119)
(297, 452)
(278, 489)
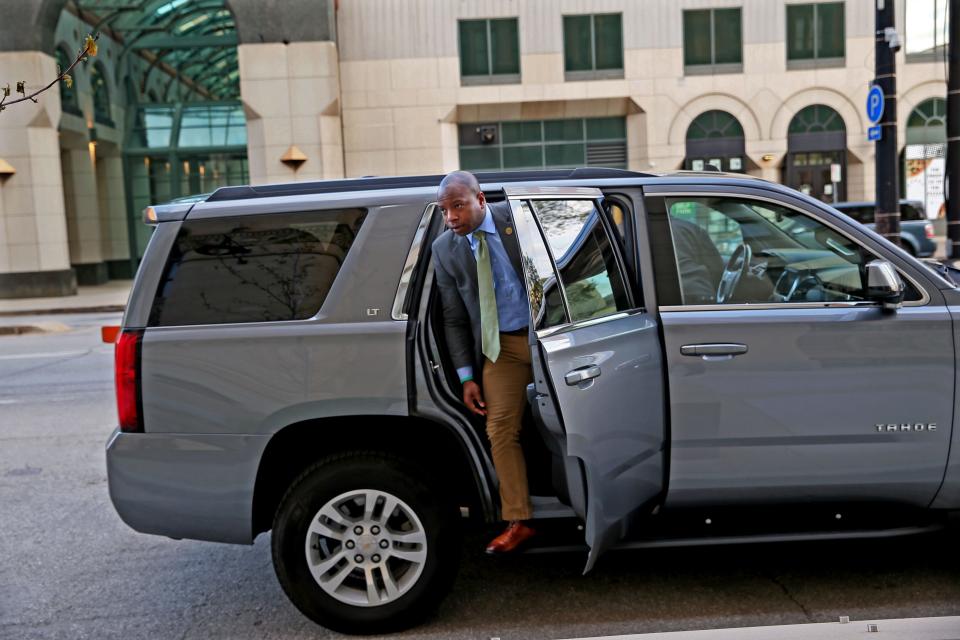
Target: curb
(107, 308)
(17, 330)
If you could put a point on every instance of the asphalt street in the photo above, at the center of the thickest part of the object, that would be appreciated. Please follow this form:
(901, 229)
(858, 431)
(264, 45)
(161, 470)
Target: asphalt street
(69, 568)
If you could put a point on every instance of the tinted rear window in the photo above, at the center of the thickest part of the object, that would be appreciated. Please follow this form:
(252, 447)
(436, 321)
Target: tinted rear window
(259, 268)
(910, 212)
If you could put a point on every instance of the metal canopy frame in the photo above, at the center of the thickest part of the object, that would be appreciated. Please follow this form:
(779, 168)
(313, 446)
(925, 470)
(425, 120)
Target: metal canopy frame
(182, 37)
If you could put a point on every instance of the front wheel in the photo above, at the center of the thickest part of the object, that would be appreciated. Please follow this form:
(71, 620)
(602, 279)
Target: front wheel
(361, 544)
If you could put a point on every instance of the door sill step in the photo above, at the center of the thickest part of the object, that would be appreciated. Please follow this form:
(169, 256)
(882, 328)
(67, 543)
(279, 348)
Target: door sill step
(706, 541)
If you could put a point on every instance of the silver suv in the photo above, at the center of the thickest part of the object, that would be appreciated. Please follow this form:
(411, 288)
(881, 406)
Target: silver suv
(716, 359)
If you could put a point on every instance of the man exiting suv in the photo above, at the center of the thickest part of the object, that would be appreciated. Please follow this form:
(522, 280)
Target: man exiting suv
(485, 318)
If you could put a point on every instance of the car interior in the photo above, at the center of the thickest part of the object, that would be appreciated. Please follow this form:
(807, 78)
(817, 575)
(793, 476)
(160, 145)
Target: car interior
(770, 254)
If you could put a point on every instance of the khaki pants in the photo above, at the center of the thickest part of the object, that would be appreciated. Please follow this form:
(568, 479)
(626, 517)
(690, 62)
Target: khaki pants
(505, 392)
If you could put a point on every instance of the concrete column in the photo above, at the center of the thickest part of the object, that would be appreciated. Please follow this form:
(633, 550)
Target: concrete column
(114, 243)
(291, 95)
(34, 255)
(83, 215)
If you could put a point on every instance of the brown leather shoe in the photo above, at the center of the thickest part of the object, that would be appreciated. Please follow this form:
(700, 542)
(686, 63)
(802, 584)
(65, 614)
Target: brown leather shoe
(510, 540)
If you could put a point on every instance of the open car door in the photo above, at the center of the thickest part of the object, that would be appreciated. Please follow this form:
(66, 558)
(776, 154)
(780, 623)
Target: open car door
(597, 359)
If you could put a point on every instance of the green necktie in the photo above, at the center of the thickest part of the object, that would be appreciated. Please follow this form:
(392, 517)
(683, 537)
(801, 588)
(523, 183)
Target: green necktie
(489, 323)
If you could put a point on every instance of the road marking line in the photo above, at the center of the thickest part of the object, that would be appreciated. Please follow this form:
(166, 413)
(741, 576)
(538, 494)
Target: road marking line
(52, 354)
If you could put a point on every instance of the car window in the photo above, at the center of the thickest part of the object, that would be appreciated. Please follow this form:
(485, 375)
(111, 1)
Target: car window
(910, 212)
(782, 255)
(546, 303)
(591, 277)
(256, 268)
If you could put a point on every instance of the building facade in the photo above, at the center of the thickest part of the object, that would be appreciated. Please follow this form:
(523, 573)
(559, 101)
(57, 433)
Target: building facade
(186, 96)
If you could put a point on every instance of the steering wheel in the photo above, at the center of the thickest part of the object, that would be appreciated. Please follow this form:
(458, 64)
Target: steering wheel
(736, 267)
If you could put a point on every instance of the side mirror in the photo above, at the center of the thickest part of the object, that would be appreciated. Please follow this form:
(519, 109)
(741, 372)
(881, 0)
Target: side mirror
(884, 285)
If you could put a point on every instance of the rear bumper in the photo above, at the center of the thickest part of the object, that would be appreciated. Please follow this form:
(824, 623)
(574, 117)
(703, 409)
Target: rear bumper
(196, 486)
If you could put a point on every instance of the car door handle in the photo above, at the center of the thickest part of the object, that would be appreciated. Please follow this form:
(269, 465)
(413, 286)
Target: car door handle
(582, 374)
(713, 349)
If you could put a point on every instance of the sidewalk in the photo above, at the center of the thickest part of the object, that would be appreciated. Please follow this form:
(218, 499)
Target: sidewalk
(945, 628)
(111, 296)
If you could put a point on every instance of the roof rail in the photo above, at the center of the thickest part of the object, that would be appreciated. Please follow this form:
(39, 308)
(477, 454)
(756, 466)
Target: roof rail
(402, 182)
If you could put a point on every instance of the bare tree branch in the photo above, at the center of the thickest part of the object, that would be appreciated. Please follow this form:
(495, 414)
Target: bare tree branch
(89, 49)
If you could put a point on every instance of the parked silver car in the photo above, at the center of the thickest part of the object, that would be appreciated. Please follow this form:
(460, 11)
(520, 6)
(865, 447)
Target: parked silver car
(717, 359)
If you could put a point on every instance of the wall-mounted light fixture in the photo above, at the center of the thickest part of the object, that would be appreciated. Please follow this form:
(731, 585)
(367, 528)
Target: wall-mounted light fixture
(6, 170)
(92, 144)
(293, 158)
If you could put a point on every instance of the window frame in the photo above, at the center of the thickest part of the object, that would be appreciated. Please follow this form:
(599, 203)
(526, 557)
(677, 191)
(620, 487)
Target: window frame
(518, 200)
(660, 196)
(712, 68)
(815, 62)
(490, 77)
(593, 73)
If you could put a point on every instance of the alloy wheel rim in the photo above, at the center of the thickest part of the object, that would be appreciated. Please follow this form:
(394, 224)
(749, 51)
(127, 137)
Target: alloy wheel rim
(366, 548)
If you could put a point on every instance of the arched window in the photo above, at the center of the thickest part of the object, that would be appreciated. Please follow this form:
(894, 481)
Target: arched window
(715, 138)
(927, 123)
(101, 95)
(68, 95)
(817, 153)
(817, 118)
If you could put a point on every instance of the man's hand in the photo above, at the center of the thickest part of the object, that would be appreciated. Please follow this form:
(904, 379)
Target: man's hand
(473, 398)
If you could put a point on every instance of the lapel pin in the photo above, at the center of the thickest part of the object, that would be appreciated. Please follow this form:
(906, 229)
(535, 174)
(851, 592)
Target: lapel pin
(508, 230)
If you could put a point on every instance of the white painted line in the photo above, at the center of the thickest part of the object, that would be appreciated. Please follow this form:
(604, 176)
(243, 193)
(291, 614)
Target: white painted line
(945, 628)
(51, 354)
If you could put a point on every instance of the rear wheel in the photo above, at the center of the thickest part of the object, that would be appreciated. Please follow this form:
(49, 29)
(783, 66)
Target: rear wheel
(363, 544)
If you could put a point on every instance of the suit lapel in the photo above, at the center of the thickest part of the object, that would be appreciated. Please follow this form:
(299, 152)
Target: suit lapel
(466, 257)
(501, 218)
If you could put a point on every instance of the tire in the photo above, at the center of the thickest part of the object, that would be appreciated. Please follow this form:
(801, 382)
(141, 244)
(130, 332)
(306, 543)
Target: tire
(399, 581)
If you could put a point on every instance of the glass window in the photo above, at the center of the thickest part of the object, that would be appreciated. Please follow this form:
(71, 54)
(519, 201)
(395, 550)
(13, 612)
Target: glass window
(101, 95)
(927, 31)
(593, 45)
(815, 31)
(737, 251)
(546, 303)
(592, 280)
(212, 126)
(153, 127)
(489, 51)
(549, 144)
(712, 37)
(608, 41)
(68, 95)
(727, 36)
(259, 268)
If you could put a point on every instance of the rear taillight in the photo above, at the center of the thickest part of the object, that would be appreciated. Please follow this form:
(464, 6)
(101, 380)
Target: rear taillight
(127, 376)
(928, 230)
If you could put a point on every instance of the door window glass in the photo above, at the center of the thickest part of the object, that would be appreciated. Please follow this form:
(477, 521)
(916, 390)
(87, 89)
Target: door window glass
(546, 303)
(591, 277)
(732, 251)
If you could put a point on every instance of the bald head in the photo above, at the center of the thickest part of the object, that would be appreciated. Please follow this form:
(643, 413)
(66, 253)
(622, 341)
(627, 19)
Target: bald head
(463, 179)
(462, 203)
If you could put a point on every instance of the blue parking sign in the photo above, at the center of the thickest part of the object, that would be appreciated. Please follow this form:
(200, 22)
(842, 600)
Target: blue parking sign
(874, 133)
(875, 104)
